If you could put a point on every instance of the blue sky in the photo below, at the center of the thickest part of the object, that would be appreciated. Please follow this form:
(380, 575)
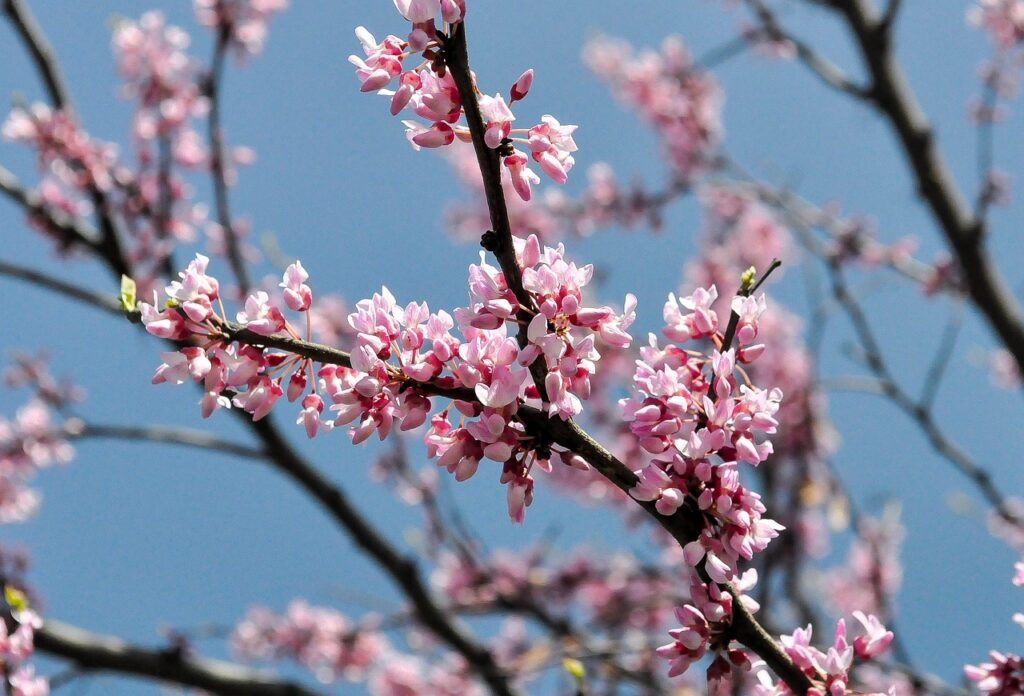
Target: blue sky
(132, 537)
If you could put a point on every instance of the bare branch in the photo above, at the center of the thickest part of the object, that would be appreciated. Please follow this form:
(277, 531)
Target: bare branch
(42, 53)
(189, 437)
(89, 297)
(892, 96)
(889, 17)
(93, 651)
(822, 67)
(943, 354)
(918, 412)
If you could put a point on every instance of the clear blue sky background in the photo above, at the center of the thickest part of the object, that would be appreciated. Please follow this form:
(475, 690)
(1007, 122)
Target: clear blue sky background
(133, 537)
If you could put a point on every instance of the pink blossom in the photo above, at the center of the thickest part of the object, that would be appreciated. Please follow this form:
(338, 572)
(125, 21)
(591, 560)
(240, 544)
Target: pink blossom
(260, 316)
(521, 86)
(297, 295)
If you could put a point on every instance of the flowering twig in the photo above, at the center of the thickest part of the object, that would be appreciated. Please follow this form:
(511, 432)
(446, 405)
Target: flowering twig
(684, 525)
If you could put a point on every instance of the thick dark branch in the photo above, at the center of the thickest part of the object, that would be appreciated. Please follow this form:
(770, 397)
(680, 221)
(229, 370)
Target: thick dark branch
(401, 569)
(93, 651)
(220, 184)
(499, 241)
(893, 98)
(41, 51)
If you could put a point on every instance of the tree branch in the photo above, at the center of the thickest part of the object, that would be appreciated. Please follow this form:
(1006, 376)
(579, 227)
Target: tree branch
(892, 96)
(72, 231)
(827, 71)
(919, 412)
(75, 292)
(93, 651)
(41, 51)
(220, 184)
(189, 437)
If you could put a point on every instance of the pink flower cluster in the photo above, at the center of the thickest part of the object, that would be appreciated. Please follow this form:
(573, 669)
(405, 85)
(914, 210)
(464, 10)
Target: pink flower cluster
(873, 570)
(62, 146)
(1004, 675)
(429, 90)
(163, 80)
(375, 395)
(830, 669)
(244, 22)
(332, 646)
(322, 640)
(1002, 19)
(702, 622)
(681, 102)
(28, 443)
(253, 375)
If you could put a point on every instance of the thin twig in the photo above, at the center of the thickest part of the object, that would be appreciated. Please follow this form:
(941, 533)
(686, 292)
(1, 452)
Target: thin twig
(189, 437)
(217, 169)
(820, 66)
(96, 652)
(918, 412)
(943, 354)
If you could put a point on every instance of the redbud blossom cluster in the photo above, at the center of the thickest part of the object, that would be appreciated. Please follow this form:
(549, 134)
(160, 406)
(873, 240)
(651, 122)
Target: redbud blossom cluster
(401, 356)
(830, 668)
(62, 147)
(429, 91)
(30, 442)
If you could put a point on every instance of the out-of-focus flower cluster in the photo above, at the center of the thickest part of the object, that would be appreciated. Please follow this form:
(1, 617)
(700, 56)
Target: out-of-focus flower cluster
(36, 438)
(1002, 19)
(429, 90)
(680, 101)
(148, 205)
(332, 646)
(242, 23)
